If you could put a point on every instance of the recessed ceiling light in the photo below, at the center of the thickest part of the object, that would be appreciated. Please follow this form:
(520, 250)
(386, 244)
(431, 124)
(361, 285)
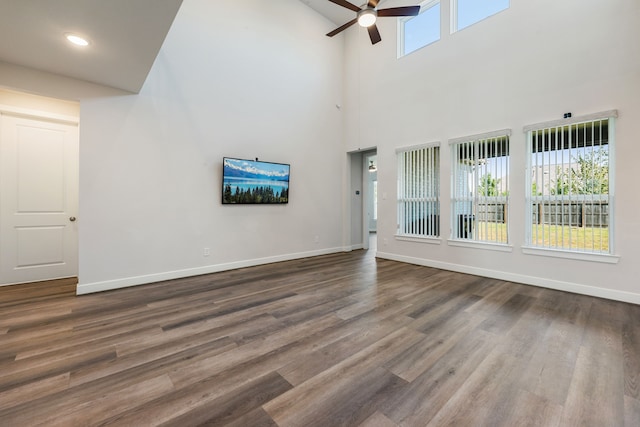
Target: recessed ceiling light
(77, 40)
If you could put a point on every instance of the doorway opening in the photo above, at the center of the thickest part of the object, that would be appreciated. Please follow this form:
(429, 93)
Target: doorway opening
(364, 201)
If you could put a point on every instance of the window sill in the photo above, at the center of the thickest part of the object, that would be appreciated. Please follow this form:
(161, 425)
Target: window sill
(418, 239)
(500, 247)
(580, 256)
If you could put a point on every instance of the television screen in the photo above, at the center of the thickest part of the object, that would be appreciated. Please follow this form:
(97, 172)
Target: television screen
(253, 181)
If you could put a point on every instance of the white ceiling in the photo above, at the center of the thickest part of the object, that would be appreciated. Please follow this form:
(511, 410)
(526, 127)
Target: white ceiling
(125, 36)
(336, 14)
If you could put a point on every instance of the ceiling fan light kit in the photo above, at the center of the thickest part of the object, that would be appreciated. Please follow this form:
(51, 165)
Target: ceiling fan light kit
(367, 16)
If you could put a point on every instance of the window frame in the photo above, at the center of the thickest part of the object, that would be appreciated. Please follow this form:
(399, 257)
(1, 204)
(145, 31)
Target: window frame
(433, 160)
(425, 6)
(454, 237)
(563, 252)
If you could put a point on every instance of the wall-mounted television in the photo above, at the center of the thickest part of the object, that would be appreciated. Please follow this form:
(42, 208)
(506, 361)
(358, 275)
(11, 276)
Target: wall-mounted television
(254, 182)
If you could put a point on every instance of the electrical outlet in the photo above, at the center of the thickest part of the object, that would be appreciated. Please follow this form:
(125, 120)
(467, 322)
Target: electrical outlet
(316, 239)
(206, 252)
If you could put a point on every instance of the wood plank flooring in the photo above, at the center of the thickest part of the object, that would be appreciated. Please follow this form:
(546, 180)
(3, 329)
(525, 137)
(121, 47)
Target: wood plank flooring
(337, 340)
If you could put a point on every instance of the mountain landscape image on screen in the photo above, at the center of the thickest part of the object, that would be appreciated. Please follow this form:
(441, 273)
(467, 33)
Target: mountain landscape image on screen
(249, 182)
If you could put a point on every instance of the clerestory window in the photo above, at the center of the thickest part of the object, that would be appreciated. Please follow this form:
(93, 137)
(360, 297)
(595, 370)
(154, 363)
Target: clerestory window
(419, 31)
(467, 12)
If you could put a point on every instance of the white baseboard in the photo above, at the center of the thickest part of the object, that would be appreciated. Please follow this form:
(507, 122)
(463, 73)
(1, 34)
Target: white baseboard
(88, 288)
(633, 298)
(575, 288)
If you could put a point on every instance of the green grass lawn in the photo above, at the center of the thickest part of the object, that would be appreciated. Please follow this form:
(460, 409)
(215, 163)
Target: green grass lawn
(582, 238)
(491, 232)
(593, 239)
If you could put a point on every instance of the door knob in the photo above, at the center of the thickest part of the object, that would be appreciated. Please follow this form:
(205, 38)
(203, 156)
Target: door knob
(72, 219)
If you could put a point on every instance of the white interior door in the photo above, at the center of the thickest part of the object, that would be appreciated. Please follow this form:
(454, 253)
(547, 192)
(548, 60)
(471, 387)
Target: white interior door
(38, 199)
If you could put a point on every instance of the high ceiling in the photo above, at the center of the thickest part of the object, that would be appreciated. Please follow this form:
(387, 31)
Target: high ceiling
(336, 14)
(125, 37)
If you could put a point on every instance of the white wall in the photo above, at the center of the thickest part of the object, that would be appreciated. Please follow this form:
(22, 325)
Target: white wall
(528, 64)
(234, 78)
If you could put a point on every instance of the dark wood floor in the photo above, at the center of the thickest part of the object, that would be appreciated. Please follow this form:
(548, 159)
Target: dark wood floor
(336, 340)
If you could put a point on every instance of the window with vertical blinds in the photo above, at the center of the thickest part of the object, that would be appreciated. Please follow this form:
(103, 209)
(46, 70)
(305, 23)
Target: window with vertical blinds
(569, 189)
(480, 200)
(419, 191)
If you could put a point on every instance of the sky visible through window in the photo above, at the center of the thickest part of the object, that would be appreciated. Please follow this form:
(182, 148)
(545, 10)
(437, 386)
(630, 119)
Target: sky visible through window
(423, 29)
(472, 11)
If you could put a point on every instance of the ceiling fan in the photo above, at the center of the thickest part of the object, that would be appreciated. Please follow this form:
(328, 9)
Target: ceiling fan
(367, 15)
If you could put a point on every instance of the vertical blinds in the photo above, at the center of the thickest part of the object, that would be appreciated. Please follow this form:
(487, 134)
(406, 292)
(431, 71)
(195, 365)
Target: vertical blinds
(481, 187)
(419, 192)
(570, 198)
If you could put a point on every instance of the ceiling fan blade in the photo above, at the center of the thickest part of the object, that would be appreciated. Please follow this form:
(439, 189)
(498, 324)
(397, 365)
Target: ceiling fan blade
(342, 28)
(373, 3)
(346, 4)
(374, 34)
(400, 11)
